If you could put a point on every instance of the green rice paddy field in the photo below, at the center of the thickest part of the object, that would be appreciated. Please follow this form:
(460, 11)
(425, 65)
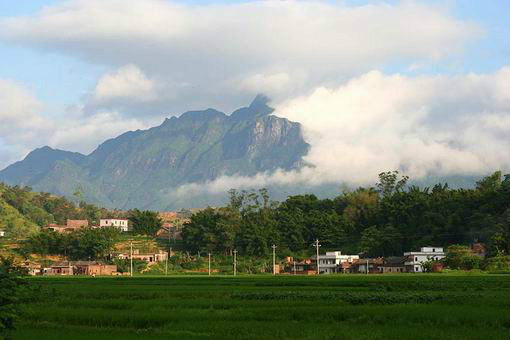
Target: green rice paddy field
(265, 307)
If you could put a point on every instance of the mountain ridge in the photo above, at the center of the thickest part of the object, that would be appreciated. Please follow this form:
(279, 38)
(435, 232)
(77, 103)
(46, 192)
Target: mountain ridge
(134, 168)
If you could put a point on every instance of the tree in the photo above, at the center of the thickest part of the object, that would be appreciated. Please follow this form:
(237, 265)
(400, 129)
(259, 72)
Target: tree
(384, 220)
(82, 244)
(201, 232)
(383, 241)
(145, 222)
(91, 244)
(389, 183)
(13, 292)
(461, 257)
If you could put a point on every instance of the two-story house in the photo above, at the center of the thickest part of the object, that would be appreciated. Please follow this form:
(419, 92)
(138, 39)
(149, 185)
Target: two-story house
(120, 223)
(333, 260)
(415, 259)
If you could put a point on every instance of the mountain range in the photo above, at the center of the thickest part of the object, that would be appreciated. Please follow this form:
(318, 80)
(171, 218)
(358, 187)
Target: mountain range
(139, 168)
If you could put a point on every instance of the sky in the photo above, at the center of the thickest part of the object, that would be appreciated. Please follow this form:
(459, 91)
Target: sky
(418, 86)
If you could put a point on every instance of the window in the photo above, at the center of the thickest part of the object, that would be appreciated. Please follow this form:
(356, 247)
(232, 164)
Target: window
(433, 250)
(416, 258)
(416, 268)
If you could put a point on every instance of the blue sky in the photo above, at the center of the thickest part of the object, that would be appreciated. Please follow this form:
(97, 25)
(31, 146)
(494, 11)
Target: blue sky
(80, 72)
(60, 80)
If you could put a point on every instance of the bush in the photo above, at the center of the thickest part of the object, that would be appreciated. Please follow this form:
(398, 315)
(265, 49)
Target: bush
(461, 257)
(498, 263)
(124, 265)
(12, 294)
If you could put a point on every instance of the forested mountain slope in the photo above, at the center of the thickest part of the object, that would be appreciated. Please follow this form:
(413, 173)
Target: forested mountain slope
(139, 168)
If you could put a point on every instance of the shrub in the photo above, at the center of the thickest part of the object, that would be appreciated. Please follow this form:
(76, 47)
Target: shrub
(461, 257)
(498, 263)
(12, 294)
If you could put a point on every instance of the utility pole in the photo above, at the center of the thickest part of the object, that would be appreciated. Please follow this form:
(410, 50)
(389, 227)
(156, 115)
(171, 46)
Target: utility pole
(235, 262)
(274, 259)
(166, 263)
(317, 245)
(131, 258)
(209, 263)
(367, 266)
(169, 252)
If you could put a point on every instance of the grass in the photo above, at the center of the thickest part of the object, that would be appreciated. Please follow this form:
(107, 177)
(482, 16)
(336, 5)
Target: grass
(264, 307)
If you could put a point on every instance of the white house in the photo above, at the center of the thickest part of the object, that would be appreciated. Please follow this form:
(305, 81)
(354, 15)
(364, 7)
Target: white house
(332, 261)
(2, 233)
(150, 258)
(121, 223)
(415, 259)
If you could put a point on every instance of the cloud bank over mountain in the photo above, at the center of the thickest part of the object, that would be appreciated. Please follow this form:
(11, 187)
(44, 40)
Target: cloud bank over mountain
(349, 74)
(422, 126)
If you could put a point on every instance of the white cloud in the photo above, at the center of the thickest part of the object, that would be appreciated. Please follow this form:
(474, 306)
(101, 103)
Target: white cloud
(426, 125)
(84, 133)
(177, 57)
(218, 51)
(20, 122)
(18, 107)
(269, 83)
(126, 83)
(23, 126)
(440, 125)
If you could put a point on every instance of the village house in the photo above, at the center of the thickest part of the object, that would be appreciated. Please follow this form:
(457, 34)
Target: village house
(304, 267)
(31, 267)
(76, 224)
(55, 227)
(121, 223)
(298, 267)
(150, 258)
(333, 260)
(91, 268)
(71, 225)
(479, 249)
(374, 266)
(94, 268)
(2, 233)
(414, 260)
(394, 264)
(62, 268)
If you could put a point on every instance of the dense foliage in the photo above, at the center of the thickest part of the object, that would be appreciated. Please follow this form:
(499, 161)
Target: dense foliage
(461, 257)
(13, 292)
(23, 212)
(384, 220)
(145, 222)
(82, 244)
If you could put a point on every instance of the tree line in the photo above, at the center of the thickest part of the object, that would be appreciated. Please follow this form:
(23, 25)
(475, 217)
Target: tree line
(384, 220)
(23, 212)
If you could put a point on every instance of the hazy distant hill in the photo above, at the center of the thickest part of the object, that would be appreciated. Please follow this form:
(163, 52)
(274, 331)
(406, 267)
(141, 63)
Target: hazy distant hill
(137, 168)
